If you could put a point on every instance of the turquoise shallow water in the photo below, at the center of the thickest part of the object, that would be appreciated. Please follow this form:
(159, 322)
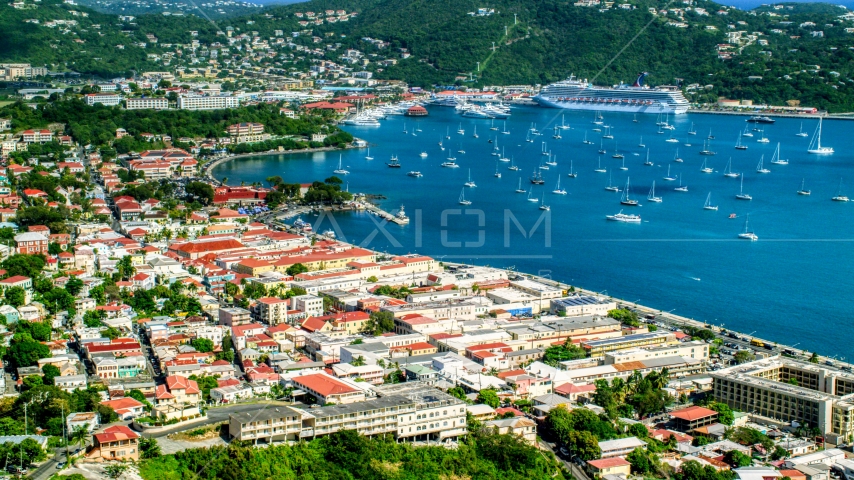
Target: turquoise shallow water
(793, 285)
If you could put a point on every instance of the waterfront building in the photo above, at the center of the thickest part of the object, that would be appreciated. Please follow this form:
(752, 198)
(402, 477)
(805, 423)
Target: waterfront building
(791, 390)
(598, 348)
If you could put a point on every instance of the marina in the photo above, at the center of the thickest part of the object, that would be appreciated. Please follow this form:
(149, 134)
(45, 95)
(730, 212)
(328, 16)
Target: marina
(672, 232)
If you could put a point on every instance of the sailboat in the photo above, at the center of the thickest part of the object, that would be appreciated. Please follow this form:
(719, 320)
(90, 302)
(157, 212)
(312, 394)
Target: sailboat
(602, 147)
(543, 166)
(762, 138)
(681, 188)
(557, 134)
(519, 188)
(368, 156)
(460, 130)
(760, 168)
(475, 132)
(648, 162)
(705, 168)
(448, 133)
(585, 141)
(635, 119)
(801, 132)
(668, 177)
(728, 170)
(746, 132)
(405, 131)
(692, 131)
(802, 191)
(839, 197)
(463, 200)
(571, 174)
(469, 183)
(340, 170)
(710, 137)
(617, 154)
(393, 163)
(558, 190)
(748, 235)
(502, 157)
(651, 197)
(505, 131)
(776, 160)
(741, 195)
(512, 164)
(530, 198)
(528, 137)
(815, 145)
(739, 145)
(597, 118)
(676, 157)
(492, 126)
(543, 206)
(563, 126)
(623, 166)
(610, 187)
(599, 168)
(640, 143)
(672, 139)
(543, 149)
(608, 134)
(708, 205)
(707, 149)
(552, 162)
(625, 200)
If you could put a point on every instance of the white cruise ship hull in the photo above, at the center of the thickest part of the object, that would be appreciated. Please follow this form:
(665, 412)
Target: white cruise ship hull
(612, 106)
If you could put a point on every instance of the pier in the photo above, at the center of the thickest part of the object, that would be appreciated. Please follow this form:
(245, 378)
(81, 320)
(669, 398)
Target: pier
(399, 218)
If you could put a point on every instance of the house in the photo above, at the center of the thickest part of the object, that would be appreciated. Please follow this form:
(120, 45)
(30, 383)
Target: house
(115, 443)
(620, 447)
(88, 420)
(31, 243)
(609, 466)
(516, 426)
(687, 419)
(178, 397)
(126, 408)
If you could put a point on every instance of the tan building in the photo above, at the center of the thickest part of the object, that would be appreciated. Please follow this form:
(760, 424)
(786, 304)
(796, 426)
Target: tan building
(609, 466)
(270, 310)
(253, 267)
(115, 443)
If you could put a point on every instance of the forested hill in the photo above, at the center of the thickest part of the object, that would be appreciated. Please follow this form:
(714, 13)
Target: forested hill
(785, 52)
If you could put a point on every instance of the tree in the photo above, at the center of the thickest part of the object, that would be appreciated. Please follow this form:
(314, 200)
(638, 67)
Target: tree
(358, 361)
(743, 356)
(148, 448)
(641, 461)
(115, 470)
(779, 453)
(139, 397)
(814, 357)
(106, 414)
(27, 353)
(585, 445)
(380, 322)
(74, 285)
(625, 316)
(488, 397)
(32, 382)
(725, 415)
(371, 279)
(200, 191)
(50, 372)
(296, 269)
(458, 392)
(203, 345)
(638, 430)
(737, 459)
(561, 353)
(15, 296)
(125, 267)
(24, 265)
(78, 435)
(94, 318)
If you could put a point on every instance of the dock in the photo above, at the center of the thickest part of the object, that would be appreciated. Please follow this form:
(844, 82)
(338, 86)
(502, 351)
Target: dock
(399, 218)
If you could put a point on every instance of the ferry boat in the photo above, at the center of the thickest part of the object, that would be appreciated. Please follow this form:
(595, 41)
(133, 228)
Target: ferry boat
(622, 217)
(401, 217)
(575, 94)
(760, 119)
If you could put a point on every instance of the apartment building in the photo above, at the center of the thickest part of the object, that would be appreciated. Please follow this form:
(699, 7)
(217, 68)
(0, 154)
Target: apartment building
(791, 390)
(598, 348)
(328, 389)
(146, 103)
(106, 99)
(409, 411)
(270, 310)
(199, 102)
(310, 304)
(582, 305)
(118, 367)
(36, 136)
(31, 243)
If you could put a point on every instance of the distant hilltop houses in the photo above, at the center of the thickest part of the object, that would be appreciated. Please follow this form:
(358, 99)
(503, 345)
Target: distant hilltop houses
(329, 16)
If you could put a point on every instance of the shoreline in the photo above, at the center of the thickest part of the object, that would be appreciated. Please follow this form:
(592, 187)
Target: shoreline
(208, 168)
(845, 116)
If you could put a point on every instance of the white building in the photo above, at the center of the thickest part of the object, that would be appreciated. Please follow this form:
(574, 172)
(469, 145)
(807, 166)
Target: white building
(147, 103)
(198, 102)
(106, 99)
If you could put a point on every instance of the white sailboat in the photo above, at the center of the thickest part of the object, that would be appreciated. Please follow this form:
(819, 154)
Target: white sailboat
(492, 126)
(705, 168)
(692, 131)
(668, 177)
(761, 168)
(505, 131)
(470, 183)
(708, 205)
(728, 170)
(741, 195)
(463, 200)
(640, 143)
(747, 234)
(707, 149)
(648, 162)
(801, 132)
(448, 133)
(368, 156)
(530, 198)
(340, 170)
(739, 145)
(623, 166)
(776, 160)
(608, 134)
(611, 187)
(681, 188)
(512, 164)
(460, 130)
(616, 153)
(672, 139)
(803, 191)
(563, 126)
(839, 197)
(602, 147)
(497, 173)
(519, 188)
(599, 168)
(552, 161)
(475, 132)
(815, 145)
(651, 197)
(571, 174)
(625, 200)
(585, 141)
(543, 205)
(558, 190)
(676, 157)
(762, 138)
(556, 134)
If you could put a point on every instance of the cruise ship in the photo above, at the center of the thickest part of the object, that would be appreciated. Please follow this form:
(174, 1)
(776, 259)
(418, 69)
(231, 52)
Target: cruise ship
(575, 94)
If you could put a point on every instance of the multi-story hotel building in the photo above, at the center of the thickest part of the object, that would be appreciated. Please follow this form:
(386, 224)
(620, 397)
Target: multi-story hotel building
(791, 390)
(199, 102)
(147, 103)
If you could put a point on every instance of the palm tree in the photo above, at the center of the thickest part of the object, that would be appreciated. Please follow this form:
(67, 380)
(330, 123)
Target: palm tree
(78, 435)
(618, 386)
(633, 381)
(662, 379)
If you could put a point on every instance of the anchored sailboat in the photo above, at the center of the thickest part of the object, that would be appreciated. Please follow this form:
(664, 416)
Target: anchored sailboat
(839, 197)
(463, 200)
(803, 191)
(651, 197)
(728, 170)
(626, 200)
(340, 170)
(815, 145)
(747, 234)
(741, 195)
(776, 160)
(708, 205)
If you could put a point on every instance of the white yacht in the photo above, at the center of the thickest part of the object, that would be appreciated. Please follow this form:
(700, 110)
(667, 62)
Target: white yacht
(414, 173)
(747, 234)
(776, 160)
(728, 170)
(463, 200)
(681, 188)
(801, 132)
(423, 155)
(651, 197)
(558, 190)
(599, 168)
(708, 205)
(705, 168)
(760, 168)
(741, 195)
(839, 197)
(519, 188)
(470, 183)
(368, 156)
(668, 177)
(803, 191)
(622, 217)
(340, 170)
(815, 145)
(611, 187)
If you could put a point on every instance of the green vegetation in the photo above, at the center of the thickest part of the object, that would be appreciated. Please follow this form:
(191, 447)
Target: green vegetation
(625, 316)
(561, 353)
(346, 455)
(636, 395)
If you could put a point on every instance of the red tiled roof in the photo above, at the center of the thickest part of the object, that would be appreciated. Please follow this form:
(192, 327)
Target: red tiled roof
(612, 462)
(116, 433)
(323, 384)
(693, 413)
(177, 382)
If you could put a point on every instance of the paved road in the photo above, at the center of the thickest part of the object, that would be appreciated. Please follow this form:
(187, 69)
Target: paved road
(48, 468)
(577, 472)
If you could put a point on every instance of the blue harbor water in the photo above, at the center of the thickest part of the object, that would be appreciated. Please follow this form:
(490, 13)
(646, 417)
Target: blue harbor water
(793, 285)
